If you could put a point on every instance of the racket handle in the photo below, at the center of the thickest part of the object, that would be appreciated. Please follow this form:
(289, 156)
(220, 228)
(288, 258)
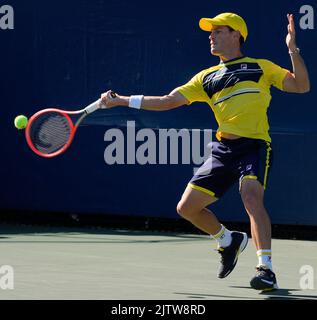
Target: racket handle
(97, 104)
(93, 107)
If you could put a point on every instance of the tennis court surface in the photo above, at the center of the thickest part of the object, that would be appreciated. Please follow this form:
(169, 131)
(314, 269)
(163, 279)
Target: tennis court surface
(52, 263)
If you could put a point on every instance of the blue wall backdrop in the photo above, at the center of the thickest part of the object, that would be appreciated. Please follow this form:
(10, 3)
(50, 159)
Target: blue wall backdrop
(65, 53)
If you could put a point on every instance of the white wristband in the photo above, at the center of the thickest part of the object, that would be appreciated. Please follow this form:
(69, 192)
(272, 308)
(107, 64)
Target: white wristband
(295, 51)
(135, 101)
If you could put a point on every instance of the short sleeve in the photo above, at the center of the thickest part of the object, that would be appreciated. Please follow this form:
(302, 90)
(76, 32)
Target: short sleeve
(275, 74)
(193, 90)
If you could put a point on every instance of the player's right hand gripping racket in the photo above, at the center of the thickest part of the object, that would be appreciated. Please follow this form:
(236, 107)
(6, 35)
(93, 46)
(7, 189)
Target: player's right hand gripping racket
(50, 132)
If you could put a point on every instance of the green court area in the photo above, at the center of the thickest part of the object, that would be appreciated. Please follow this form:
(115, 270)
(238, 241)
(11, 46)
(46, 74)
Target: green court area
(55, 263)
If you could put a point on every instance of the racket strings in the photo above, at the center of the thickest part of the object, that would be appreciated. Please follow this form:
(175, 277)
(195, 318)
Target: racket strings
(50, 132)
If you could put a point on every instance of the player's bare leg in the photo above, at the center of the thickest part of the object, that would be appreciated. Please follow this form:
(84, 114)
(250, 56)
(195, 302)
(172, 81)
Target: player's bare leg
(192, 207)
(252, 193)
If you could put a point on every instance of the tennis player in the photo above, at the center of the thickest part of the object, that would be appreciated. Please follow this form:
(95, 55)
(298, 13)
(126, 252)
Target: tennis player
(238, 92)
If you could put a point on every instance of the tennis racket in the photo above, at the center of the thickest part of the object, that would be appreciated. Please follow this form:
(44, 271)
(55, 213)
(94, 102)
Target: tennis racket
(50, 132)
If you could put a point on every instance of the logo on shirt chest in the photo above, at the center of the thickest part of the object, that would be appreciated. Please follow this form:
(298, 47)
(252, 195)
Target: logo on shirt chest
(228, 76)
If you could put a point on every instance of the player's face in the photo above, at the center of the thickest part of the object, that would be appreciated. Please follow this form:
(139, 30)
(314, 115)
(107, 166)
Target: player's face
(221, 40)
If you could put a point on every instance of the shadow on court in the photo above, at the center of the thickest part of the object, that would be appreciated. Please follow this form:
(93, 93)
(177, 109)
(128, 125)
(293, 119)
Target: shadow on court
(287, 294)
(279, 294)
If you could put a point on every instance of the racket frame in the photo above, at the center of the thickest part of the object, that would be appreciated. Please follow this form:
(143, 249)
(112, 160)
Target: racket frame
(73, 127)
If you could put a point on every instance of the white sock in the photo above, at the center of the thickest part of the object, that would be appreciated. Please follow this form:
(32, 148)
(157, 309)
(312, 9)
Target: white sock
(265, 258)
(223, 237)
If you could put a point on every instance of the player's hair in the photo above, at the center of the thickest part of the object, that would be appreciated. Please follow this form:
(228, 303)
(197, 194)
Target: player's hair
(241, 38)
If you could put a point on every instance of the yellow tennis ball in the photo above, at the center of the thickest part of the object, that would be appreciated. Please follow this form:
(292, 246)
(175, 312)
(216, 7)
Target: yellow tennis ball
(20, 121)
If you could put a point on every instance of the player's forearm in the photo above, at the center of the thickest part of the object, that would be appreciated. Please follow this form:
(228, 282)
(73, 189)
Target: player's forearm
(300, 73)
(160, 103)
(154, 103)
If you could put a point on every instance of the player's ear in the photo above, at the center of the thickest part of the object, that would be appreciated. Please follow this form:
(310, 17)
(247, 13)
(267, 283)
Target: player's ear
(237, 35)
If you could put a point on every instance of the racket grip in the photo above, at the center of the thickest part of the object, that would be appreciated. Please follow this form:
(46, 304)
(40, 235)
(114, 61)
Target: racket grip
(93, 107)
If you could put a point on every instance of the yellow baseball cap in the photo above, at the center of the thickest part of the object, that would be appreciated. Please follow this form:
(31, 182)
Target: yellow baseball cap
(225, 19)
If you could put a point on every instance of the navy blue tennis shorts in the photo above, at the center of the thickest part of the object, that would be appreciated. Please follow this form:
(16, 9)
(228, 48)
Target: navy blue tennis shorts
(231, 161)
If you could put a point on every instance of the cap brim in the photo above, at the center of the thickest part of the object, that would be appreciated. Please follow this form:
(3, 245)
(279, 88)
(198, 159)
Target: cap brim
(206, 24)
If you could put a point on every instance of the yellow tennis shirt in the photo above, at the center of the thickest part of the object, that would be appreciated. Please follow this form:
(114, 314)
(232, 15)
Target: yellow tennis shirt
(238, 92)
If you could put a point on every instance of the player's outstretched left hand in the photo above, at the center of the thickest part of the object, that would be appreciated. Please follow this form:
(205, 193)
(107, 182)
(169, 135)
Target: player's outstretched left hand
(290, 38)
